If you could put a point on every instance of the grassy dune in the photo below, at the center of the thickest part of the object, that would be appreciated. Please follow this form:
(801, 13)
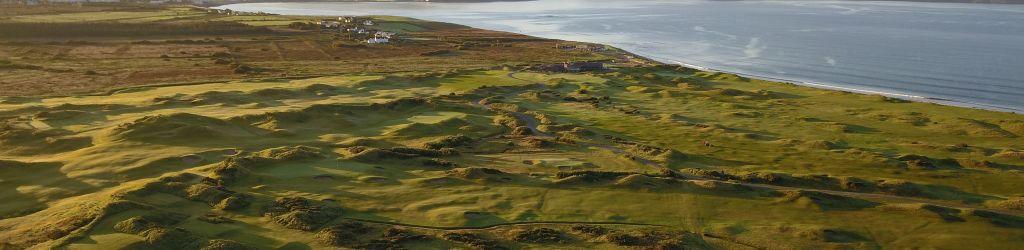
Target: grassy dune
(362, 145)
(503, 157)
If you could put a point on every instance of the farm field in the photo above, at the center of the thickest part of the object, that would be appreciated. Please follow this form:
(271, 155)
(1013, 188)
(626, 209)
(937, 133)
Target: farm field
(400, 146)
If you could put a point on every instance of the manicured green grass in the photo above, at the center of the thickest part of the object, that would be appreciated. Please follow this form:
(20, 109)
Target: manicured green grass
(493, 78)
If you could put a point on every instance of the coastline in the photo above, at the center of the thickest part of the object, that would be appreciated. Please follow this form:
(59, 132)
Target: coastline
(228, 2)
(836, 87)
(802, 82)
(180, 127)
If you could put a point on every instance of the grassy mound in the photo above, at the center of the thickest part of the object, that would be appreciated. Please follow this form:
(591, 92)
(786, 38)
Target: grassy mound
(825, 202)
(999, 219)
(222, 244)
(1013, 203)
(585, 177)
(473, 240)
(539, 235)
(480, 174)
(20, 141)
(295, 153)
(974, 128)
(640, 181)
(370, 154)
(446, 126)
(171, 238)
(178, 127)
(449, 142)
(1011, 154)
(928, 210)
(235, 167)
(656, 239)
(345, 234)
(300, 213)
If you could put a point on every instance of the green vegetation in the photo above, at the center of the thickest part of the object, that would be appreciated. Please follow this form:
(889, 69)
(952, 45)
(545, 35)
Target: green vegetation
(53, 53)
(487, 154)
(108, 16)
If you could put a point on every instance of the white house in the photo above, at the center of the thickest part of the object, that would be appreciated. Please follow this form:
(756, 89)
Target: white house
(368, 22)
(378, 40)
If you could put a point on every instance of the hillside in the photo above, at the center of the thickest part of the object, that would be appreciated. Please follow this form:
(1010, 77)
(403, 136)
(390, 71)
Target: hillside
(455, 138)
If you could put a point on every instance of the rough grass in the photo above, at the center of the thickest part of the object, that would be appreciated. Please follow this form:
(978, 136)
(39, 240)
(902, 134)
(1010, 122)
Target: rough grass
(784, 166)
(107, 16)
(489, 183)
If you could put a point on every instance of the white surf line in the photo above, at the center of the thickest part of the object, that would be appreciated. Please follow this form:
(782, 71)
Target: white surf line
(862, 90)
(819, 85)
(910, 97)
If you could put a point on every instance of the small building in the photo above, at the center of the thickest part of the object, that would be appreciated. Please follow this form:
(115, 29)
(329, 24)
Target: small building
(380, 37)
(347, 19)
(368, 23)
(378, 40)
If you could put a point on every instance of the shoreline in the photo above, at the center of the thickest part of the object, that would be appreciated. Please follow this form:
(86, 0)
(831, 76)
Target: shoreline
(806, 83)
(229, 2)
(835, 87)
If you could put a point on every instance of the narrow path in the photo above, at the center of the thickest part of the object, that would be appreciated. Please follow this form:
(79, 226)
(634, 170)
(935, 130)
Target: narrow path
(531, 122)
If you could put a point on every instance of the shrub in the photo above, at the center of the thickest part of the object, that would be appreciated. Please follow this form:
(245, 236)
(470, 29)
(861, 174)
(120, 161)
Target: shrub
(471, 239)
(301, 213)
(344, 234)
(539, 235)
(436, 52)
(243, 69)
(590, 230)
(449, 142)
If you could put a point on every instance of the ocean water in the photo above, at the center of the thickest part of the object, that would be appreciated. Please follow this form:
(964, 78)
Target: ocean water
(961, 54)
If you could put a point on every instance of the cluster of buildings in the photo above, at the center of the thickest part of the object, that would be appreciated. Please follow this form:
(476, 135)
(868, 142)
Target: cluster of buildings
(380, 37)
(343, 22)
(236, 13)
(583, 47)
(355, 26)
